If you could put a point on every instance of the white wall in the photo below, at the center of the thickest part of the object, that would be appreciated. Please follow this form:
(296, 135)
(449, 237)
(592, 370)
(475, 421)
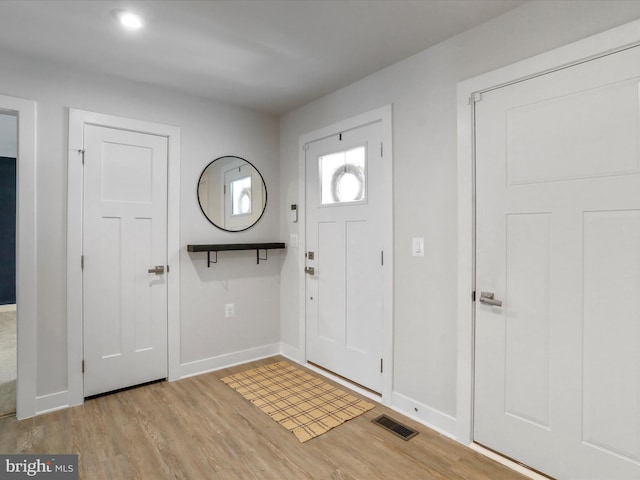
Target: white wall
(209, 130)
(422, 90)
(8, 136)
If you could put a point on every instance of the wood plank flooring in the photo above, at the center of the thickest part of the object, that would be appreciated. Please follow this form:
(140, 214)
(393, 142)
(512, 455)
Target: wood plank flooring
(200, 429)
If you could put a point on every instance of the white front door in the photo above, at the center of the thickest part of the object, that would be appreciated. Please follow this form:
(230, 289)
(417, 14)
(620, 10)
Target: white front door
(557, 367)
(124, 236)
(344, 242)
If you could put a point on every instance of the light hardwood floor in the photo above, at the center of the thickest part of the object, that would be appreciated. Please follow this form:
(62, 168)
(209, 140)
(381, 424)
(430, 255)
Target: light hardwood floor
(199, 429)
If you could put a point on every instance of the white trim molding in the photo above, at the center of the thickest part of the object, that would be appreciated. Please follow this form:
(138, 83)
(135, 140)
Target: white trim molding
(26, 253)
(424, 414)
(385, 115)
(52, 402)
(617, 39)
(77, 120)
(292, 353)
(206, 365)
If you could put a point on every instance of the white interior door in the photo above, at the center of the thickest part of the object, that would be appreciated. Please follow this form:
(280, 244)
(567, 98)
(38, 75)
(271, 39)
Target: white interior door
(124, 236)
(344, 241)
(557, 372)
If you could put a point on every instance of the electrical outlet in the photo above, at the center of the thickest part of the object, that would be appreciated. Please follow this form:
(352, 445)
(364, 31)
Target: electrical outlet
(417, 247)
(230, 310)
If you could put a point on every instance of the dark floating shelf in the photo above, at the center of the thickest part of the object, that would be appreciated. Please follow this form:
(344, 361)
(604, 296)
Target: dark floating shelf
(224, 247)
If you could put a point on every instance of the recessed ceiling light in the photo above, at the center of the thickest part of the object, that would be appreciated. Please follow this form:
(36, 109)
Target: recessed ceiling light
(129, 20)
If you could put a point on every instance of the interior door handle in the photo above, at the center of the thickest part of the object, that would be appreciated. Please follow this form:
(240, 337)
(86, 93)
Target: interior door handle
(487, 299)
(158, 270)
(310, 270)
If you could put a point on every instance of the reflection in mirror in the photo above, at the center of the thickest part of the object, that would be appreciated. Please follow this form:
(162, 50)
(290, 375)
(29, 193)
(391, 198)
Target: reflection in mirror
(232, 193)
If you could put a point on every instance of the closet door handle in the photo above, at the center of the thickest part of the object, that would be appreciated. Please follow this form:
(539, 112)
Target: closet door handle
(487, 299)
(158, 270)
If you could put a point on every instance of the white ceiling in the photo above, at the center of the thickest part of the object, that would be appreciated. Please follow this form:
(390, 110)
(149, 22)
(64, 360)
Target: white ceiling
(267, 55)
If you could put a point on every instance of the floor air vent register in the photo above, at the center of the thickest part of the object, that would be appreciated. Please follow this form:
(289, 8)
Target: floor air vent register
(394, 427)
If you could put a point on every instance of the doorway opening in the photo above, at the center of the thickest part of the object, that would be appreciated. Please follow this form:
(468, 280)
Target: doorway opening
(8, 327)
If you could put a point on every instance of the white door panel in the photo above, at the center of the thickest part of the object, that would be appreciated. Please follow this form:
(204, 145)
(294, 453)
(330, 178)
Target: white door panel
(557, 375)
(344, 295)
(125, 235)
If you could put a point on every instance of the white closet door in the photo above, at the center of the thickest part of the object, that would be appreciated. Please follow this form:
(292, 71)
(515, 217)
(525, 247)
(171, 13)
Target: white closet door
(557, 376)
(125, 235)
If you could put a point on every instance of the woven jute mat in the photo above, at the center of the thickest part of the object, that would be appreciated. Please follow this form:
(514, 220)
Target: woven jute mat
(302, 403)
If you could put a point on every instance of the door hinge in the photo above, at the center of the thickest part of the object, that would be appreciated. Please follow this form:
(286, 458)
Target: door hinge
(382, 257)
(381, 149)
(81, 262)
(473, 296)
(381, 365)
(82, 366)
(81, 152)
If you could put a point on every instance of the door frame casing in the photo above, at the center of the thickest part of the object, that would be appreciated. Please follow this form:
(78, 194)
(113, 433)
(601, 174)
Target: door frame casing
(77, 120)
(382, 114)
(470, 91)
(26, 253)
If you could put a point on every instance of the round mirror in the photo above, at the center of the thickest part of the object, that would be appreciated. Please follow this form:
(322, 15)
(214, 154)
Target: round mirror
(232, 193)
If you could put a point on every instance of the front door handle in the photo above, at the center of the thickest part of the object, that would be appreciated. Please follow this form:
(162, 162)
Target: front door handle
(487, 299)
(158, 270)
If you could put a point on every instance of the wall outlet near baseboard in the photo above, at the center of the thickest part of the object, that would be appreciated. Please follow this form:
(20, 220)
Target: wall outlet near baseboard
(230, 310)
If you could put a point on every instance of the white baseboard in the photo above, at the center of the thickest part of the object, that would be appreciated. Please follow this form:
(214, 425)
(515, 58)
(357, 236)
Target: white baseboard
(228, 360)
(428, 416)
(51, 402)
(8, 308)
(292, 353)
(59, 400)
